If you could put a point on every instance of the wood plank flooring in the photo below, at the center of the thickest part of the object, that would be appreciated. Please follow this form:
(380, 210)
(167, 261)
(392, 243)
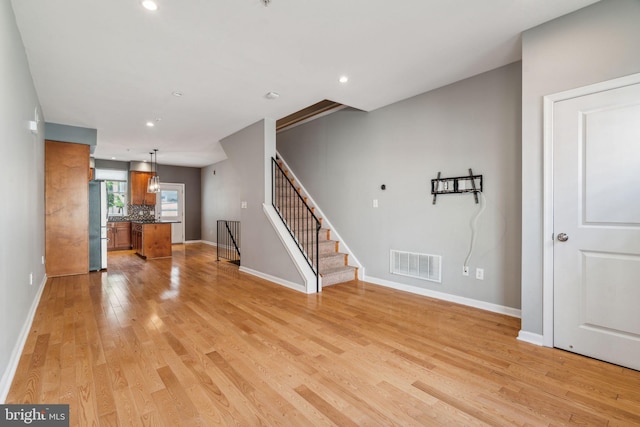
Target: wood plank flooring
(189, 341)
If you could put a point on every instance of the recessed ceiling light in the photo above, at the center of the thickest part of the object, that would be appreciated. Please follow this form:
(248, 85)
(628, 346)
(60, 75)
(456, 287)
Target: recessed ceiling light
(343, 79)
(113, 158)
(176, 93)
(150, 124)
(272, 95)
(150, 5)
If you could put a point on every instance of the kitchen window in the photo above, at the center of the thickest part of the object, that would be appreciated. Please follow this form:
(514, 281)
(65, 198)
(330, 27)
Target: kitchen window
(117, 185)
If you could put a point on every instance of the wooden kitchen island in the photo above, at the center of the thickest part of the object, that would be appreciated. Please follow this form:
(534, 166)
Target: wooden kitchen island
(151, 239)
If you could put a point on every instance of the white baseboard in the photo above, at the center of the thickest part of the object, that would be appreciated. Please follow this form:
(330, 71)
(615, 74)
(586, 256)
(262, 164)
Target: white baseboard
(206, 242)
(12, 366)
(513, 312)
(278, 280)
(531, 338)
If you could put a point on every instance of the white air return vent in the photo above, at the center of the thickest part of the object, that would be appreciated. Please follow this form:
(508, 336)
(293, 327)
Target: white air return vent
(420, 266)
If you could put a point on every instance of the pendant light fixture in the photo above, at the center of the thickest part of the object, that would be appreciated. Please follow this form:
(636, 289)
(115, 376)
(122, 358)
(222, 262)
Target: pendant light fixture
(154, 179)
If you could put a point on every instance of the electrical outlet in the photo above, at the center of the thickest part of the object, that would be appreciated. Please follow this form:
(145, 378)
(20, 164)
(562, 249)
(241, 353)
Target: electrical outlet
(480, 273)
(465, 270)
(375, 203)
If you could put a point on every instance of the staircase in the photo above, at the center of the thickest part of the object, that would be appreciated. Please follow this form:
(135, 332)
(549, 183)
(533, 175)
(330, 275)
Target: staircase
(334, 265)
(323, 254)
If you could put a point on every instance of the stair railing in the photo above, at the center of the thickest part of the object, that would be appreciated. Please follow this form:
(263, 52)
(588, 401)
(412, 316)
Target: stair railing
(297, 216)
(228, 240)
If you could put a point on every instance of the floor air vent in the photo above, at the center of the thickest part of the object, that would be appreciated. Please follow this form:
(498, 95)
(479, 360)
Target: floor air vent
(420, 266)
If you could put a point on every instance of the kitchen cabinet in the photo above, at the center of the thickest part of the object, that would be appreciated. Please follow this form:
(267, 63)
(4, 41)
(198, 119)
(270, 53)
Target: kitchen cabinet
(136, 237)
(66, 208)
(111, 239)
(151, 240)
(119, 234)
(138, 194)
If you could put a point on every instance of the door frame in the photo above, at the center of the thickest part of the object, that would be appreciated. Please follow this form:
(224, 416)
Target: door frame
(184, 206)
(547, 202)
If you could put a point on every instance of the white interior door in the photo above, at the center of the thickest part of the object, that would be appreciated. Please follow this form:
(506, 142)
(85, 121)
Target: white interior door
(172, 209)
(596, 223)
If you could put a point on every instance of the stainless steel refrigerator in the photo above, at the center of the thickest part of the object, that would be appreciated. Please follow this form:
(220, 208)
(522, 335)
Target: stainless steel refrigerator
(97, 225)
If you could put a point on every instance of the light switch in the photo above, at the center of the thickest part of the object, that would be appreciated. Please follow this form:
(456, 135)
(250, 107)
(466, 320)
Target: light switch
(375, 203)
(243, 205)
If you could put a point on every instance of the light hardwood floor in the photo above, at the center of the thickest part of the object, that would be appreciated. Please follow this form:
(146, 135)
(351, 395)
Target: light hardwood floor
(191, 341)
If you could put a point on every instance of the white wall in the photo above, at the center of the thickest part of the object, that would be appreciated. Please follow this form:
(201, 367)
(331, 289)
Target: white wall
(22, 212)
(342, 159)
(594, 44)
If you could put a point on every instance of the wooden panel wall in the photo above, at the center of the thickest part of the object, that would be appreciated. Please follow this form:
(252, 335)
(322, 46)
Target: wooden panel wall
(66, 208)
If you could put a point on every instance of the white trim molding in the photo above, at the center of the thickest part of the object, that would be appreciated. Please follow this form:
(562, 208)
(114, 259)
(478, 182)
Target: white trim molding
(531, 338)
(495, 308)
(277, 280)
(547, 202)
(306, 273)
(12, 366)
(206, 242)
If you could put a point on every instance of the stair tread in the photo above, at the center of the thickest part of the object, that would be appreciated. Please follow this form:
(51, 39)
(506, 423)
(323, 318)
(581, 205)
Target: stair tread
(334, 270)
(331, 254)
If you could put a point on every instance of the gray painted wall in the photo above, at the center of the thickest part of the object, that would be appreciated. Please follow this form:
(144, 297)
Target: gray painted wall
(66, 133)
(342, 159)
(111, 164)
(597, 43)
(249, 151)
(22, 175)
(220, 197)
(190, 177)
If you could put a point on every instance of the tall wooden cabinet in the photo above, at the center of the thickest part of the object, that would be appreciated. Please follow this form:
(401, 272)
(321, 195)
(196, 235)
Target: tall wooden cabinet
(66, 208)
(138, 194)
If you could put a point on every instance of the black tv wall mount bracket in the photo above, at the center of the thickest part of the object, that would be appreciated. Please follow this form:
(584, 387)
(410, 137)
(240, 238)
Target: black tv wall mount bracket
(457, 185)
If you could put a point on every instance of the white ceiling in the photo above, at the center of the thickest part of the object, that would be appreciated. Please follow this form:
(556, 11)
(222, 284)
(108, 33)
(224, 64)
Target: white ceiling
(111, 65)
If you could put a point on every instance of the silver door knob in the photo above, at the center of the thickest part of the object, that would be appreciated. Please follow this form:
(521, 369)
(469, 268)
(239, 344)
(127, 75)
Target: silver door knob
(562, 237)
